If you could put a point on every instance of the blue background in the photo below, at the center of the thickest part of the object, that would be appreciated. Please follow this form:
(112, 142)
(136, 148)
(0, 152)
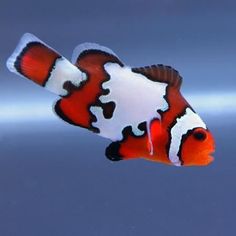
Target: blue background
(55, 179)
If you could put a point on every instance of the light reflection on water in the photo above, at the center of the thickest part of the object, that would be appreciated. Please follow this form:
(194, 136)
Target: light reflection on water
(213, 103)
(207, 104)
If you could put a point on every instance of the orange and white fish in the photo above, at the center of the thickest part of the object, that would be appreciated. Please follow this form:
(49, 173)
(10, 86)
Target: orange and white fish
(140, 109)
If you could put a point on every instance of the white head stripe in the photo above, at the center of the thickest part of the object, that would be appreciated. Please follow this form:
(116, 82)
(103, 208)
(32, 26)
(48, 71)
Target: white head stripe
(188, 121)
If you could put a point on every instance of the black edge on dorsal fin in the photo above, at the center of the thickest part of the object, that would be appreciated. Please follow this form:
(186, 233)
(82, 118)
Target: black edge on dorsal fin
(161, 73)
(93, 48)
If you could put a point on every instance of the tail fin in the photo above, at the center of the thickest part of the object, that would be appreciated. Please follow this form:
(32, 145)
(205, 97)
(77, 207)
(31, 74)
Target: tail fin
(40, 63)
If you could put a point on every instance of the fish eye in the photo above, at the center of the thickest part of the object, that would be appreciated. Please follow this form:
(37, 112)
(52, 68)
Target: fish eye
(199, 135)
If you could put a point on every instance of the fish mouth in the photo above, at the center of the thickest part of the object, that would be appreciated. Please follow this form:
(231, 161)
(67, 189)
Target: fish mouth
(205, 159)
(210, 157)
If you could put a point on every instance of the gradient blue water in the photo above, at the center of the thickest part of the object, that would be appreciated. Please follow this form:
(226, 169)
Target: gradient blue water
(55, 179)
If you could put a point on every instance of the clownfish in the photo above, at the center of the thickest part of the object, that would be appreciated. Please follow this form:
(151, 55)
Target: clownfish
(141, 110)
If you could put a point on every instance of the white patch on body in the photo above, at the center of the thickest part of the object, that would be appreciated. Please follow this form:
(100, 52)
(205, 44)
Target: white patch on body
(62, 72)
(137, 99)
(188, 121)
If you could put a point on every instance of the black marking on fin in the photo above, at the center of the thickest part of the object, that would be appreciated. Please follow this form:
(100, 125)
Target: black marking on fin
(161, 73)
(112, 151)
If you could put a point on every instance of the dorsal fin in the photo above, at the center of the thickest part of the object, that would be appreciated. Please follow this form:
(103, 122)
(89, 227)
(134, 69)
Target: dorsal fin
(87, 48)
(161, 73)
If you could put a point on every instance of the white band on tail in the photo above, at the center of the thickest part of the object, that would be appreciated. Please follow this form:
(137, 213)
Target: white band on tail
(62, 72)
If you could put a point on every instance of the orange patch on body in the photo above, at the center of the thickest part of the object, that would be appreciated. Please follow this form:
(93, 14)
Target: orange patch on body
(140, 147)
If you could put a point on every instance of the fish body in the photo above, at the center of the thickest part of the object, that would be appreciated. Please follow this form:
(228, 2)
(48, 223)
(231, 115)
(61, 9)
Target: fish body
(140, 109)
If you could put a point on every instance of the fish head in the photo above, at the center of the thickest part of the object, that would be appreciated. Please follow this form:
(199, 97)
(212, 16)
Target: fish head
(197, 147)
(191, 143)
